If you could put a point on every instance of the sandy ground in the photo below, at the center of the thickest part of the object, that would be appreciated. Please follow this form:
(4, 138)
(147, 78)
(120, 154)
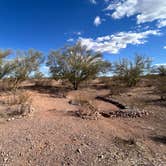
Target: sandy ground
(54, 136)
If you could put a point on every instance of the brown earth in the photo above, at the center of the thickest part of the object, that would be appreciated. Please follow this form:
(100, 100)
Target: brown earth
(54, 136)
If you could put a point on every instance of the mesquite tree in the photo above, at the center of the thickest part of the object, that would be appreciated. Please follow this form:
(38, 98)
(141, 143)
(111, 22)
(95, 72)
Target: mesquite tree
(5, 66)
(76, 64)
(25, 64)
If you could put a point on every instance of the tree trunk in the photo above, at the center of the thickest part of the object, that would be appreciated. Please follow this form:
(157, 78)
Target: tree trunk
(162, 98)
(75, 85)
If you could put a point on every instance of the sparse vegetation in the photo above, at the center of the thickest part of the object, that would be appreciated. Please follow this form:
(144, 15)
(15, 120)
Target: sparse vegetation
(25, 64)
(18, 97)
(5, 65)
(39, 78)
(161, 70)
(161, 87)
(76, 64)
(99, 97)
(129, 71)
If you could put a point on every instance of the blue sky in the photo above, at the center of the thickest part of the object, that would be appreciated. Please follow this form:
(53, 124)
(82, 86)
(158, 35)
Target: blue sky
(115, 28)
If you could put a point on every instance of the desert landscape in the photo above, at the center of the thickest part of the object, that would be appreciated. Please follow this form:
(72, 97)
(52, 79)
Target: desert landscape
(82, 83)
(54, 134)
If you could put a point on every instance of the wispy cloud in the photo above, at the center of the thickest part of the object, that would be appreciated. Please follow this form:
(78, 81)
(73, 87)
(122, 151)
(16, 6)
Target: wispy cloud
(145, 10)
(93, 1)
(97, 21)
(70, 40)
(160, 64)
(78, 33)
(161, 23)
(114, 43)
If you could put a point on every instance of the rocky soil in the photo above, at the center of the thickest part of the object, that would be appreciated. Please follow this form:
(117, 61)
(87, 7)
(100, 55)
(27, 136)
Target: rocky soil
(53, 135)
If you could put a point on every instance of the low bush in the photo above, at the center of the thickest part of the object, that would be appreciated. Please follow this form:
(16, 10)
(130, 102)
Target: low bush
(18, 97)
(161, 87)
(87, 106)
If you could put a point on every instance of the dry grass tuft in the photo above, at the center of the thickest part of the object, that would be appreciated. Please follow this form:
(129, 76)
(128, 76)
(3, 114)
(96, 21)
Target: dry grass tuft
(87, 106)
(127, 142)
(18, 97)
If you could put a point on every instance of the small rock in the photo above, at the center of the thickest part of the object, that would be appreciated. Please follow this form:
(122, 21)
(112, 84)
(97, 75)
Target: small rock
(78, 150)
(5, 159)
(101, 156)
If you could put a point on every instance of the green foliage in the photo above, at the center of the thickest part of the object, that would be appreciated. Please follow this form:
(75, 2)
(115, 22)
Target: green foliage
(130, 71)
(38, 75)
(161, 70)
(5, 66)
(76, 64)
(26, 63)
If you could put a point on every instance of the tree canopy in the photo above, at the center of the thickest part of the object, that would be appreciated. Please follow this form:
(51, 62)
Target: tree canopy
(130, 71)
(25, 63)
(5, 66)
(76, 64)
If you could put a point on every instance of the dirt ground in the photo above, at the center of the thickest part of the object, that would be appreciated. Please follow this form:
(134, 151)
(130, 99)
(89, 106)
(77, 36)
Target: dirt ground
(52, 135)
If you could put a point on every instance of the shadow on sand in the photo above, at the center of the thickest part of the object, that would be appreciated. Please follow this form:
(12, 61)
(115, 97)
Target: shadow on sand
(159, 139)
(53, 91)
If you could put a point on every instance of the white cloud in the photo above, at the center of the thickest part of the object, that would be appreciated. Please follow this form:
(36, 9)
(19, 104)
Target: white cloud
(97, 21)
(113, 43)
(93, 1)
(77, 33)
(145, 10)
(164, 47)
(160, 64)
(45, 70)
(70, 40)
(161, 23)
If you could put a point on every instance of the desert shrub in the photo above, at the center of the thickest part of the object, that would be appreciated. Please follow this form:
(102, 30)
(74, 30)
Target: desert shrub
(19, 102)
(38, 78)
(38, 75)
(117, 86)
(130, 72)
(44, 82)
(160, 70)
(8, 84)
(125, 142)
(87, 106)
(20, 110)
(107, 81)
(18, 97)
(161, 87)
(88, 110)
(76, 64)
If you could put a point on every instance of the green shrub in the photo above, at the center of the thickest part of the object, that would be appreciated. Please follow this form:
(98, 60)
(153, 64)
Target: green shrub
(130, 71)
